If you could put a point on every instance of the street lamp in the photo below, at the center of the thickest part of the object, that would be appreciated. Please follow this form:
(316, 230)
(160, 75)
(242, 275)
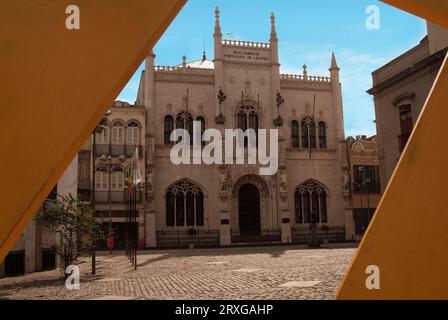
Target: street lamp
(278, 122)
(98, 130)
(221, 119)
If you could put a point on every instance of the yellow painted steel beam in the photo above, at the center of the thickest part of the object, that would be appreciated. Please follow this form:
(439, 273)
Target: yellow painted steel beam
(56, 84)
(433, 10)
(407, 239)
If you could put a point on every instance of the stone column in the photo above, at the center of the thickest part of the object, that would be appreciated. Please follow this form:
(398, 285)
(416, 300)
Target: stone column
(149, 217)
(150, 229)
(349, 225)
(286, 226)
(225, 238)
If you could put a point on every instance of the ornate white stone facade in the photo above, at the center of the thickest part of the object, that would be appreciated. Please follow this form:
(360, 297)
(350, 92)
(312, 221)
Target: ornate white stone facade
(248, 75)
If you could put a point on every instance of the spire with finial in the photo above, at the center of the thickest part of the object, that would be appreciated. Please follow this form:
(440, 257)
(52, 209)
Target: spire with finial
(217, 24)
(184, 61)
(305, 72)
(334, 64)
(273, 31)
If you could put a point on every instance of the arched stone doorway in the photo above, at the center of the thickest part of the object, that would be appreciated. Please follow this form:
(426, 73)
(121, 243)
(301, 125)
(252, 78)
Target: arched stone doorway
(249, 210)
(252, 193)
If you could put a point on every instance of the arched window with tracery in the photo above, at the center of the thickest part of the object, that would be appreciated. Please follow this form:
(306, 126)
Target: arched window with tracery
(133, 133)
(311, 203)
(247, 118)
(184, 205)
(295, 143)
(118, 132)
(308, 133)
(184, 120)
(322, 135)
(168, 129)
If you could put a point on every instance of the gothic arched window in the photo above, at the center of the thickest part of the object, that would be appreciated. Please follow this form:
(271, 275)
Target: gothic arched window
(133, 133)
(184, 205)
(295, 134)
(248, 119)
(168, 129)
(322, 135)
(310, 203)
(184, 120)
(308, 133)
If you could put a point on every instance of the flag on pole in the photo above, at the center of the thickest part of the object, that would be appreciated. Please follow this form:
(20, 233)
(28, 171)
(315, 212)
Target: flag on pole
(137, 176)
(133, 173)
(128, 179)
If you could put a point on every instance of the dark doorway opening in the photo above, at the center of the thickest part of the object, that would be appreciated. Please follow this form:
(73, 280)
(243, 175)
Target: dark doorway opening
(48, 259)
(119, 233)
(15, 264)
(249, 210)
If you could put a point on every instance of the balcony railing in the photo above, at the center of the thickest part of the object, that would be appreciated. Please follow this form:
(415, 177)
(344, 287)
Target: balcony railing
(403, 140)
(116, 150)
(121, 197)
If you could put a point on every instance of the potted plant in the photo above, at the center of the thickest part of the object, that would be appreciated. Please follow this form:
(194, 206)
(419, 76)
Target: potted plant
(325, 229)
(191, 235)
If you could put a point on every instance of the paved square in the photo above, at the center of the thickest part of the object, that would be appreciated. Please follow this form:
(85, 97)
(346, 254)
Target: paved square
(277, 273)
(300, 284)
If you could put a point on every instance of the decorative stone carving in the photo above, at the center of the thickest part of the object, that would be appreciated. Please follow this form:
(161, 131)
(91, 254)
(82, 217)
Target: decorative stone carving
(345, 183)
(225, 182)
(283, 184)
(149, 182)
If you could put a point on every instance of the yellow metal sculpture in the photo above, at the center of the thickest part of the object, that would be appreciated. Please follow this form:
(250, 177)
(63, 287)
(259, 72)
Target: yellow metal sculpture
(57, 83)
(405, 248)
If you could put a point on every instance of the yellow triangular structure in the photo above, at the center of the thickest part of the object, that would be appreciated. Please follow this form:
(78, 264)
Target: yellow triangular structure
(407, 239)
(56, 84)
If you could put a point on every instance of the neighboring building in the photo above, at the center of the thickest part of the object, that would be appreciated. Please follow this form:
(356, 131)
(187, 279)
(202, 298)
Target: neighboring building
(400, 89)
(365, 182)
(36, 248)
(233, 203)
(113, 150)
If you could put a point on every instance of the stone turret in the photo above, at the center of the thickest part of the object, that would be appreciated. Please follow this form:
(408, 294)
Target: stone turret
(219, 64)
(337, 99)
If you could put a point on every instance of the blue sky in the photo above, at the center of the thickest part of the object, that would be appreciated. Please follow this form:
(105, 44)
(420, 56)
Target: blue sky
(308, 31)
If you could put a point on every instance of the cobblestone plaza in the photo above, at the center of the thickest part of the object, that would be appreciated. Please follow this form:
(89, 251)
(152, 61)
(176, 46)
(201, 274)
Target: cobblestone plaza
(249, 273)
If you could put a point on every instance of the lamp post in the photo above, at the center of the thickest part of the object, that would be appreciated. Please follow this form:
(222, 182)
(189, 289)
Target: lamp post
(278, 122)
(99, 129)
(221, 119)
(109, 174)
